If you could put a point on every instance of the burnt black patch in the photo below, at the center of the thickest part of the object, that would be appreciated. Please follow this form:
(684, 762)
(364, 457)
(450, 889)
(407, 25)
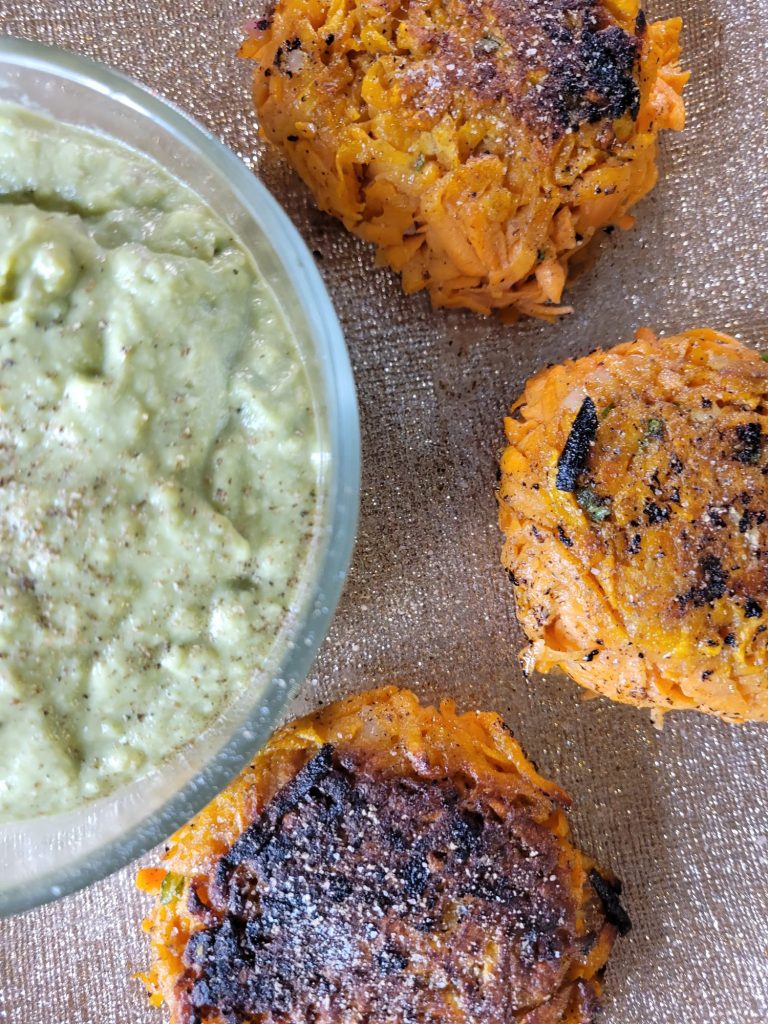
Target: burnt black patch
(635, 544)
(574, 456)
(714, 580)
(563, 537)
(596, 80)
(748, 443)
(654, 513)
(712, 585)
(591, 65)
(715, 517)
(752, 609)
(747, 520)
(415, 877)
(391, 961)
(348, 877)
(590, 60)
(609, 893)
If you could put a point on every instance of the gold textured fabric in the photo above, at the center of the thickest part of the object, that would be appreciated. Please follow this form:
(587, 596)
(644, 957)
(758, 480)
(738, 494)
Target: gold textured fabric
(681, 815)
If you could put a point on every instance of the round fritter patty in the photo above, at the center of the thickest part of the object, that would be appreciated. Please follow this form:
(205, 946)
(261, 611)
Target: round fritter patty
(634, 502)
(386, 863)
(478, 145)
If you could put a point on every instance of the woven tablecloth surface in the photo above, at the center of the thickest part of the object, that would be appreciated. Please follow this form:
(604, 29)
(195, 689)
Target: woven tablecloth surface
(682, 814)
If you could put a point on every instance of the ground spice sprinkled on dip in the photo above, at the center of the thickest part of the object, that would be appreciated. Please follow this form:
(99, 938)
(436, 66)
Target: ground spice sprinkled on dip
(158, 466)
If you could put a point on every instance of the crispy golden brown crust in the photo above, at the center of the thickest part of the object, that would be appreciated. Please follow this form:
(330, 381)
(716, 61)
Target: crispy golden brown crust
(479, 145)
(408, 866)
(634, 500)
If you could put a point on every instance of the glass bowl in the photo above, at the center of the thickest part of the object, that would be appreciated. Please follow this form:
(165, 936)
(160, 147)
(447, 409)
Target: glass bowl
(46, 857)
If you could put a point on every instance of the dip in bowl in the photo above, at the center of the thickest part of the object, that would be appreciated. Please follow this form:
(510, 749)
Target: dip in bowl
(179, 462)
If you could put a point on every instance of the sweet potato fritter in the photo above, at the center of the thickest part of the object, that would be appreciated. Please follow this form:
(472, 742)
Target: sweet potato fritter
(634, 501)
(478, 145)
(385, 863)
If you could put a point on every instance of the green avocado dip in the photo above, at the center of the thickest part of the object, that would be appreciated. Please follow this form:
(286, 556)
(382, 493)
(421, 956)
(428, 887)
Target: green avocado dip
(158, 466)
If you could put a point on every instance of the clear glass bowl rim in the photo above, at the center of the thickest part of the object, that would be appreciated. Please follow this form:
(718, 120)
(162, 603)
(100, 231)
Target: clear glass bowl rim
(343, 488)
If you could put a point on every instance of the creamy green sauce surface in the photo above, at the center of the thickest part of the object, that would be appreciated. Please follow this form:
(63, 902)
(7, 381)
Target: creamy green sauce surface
(158, 466)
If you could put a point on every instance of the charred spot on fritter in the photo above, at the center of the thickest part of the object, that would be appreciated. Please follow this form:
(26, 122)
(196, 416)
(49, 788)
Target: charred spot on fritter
(573, 458)
(610, 893)
(557, 64)
(749, 441)
(711, 584)
(591, 65)
(349, 883)
(654, 513)
(752, 609)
